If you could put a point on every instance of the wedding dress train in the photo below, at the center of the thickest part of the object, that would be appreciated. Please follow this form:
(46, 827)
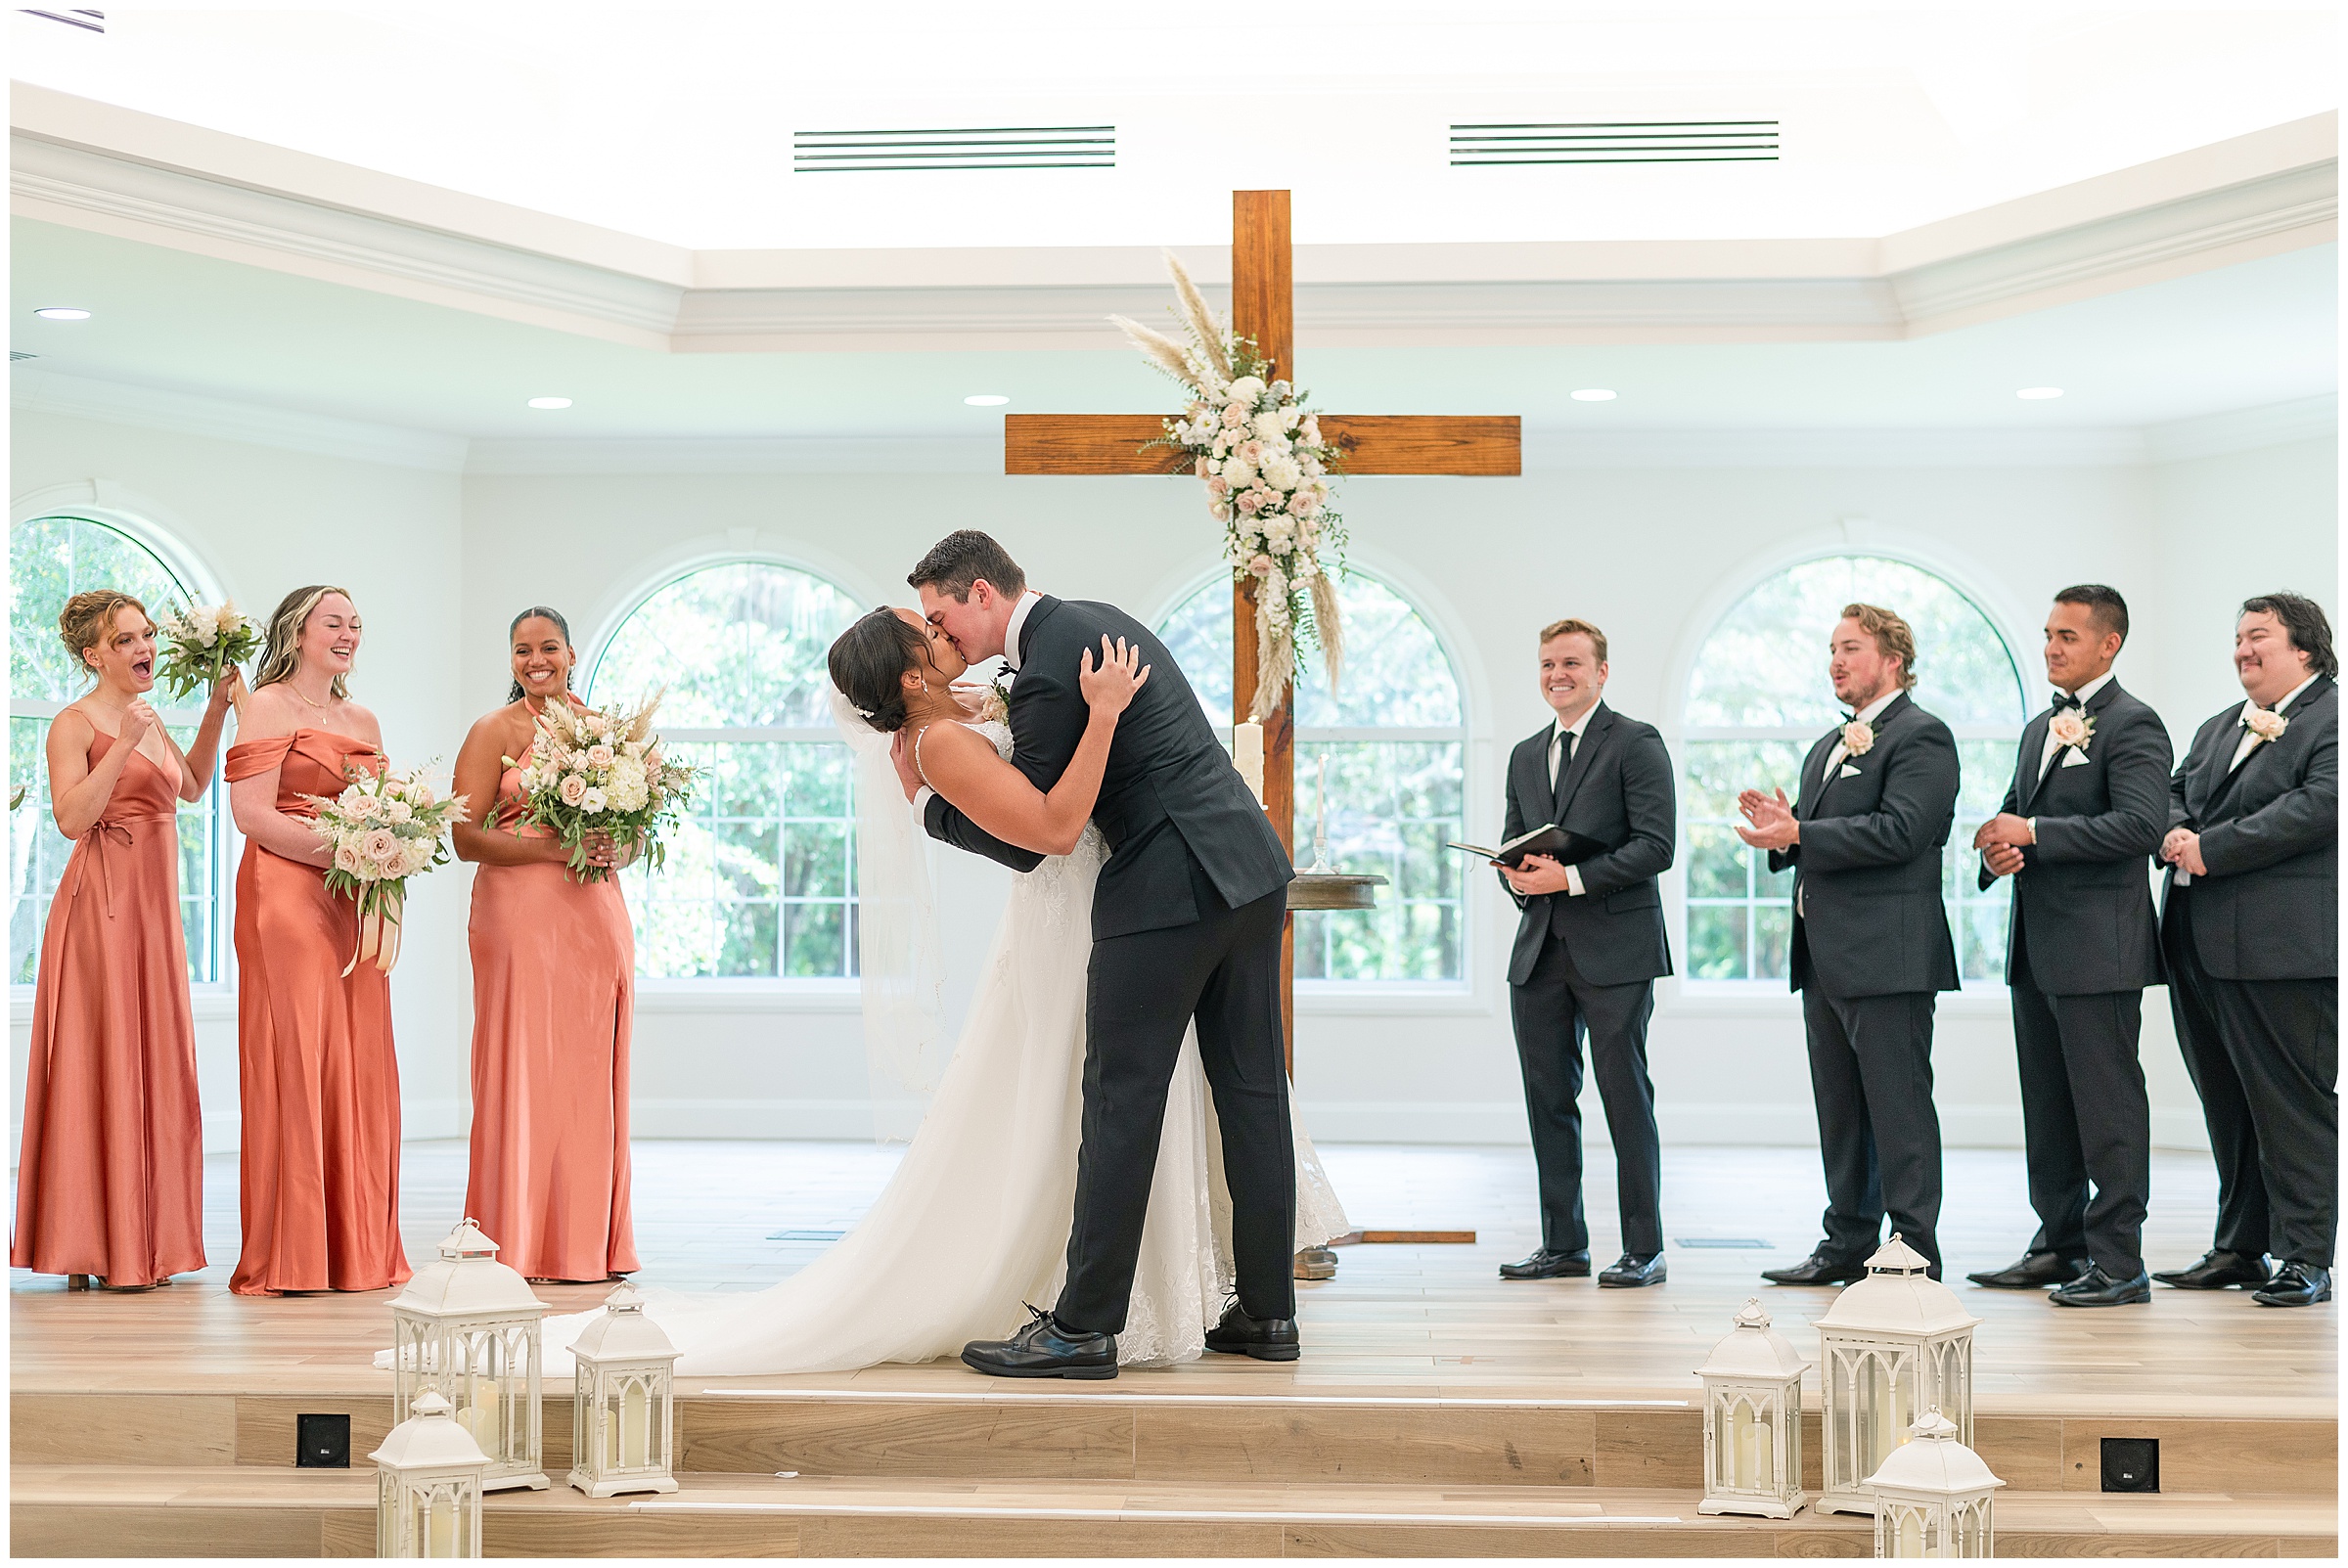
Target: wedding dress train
(975, 1219)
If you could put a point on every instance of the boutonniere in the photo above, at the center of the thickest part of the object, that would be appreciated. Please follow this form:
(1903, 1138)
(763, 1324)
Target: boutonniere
(1858, 738)
(2264, 724)
(2072, 728)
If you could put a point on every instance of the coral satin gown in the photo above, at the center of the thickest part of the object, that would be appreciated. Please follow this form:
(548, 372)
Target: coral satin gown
(111, 1180)
(320, 1083)
(554, 965)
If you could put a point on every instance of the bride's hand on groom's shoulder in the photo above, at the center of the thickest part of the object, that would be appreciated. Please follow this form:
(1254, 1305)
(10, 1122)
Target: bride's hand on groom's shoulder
(900, 755)
(1109, 686)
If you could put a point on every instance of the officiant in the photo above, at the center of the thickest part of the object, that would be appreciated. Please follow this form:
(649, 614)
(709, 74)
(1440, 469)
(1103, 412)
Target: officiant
(1590, 946)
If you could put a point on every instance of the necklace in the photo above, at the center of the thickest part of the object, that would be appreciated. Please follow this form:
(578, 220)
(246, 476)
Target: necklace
(299, 692)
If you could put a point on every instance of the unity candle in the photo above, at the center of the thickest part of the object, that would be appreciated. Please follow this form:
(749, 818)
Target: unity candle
(1247, 755)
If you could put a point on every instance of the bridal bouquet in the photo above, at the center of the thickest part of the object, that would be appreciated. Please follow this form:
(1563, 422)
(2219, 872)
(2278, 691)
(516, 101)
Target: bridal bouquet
(600, 771)
(383, 829)
(1260, 455)
(201, 643)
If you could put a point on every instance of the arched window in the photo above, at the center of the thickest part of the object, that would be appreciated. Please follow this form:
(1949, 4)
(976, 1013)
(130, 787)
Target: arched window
(1759, 698)
(50, 560)
(761, 878)
(1395, 737)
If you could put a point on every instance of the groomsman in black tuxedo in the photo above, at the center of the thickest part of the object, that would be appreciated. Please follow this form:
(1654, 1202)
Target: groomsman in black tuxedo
(1588, 948)
(2089, 803)
(1870, 942)
(2251, 931)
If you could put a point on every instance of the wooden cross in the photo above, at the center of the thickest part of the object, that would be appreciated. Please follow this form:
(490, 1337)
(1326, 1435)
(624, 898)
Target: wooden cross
(1263, 308)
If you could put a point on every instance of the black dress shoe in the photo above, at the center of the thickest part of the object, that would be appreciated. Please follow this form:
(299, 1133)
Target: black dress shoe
(1818, 1270)
(2096, 1288)
(2035, 1272)
(2217, 1270)
(1044, 1349)
(1548, 1265)
(1264, 1338)
(1633, 1270)
(2296, 1284)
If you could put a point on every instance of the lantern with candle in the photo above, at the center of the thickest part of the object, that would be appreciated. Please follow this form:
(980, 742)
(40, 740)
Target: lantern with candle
(428, 1486)
(1893, 1345)
(622, 1407)
(1753, 1421)
(1932, 1495)
(467, 1329)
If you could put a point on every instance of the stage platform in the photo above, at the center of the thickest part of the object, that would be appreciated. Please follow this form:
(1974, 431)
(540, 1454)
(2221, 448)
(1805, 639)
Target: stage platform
(1438, 1410)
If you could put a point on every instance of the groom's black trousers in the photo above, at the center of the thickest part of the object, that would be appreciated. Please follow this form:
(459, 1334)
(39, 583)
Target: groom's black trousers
(1141, 993)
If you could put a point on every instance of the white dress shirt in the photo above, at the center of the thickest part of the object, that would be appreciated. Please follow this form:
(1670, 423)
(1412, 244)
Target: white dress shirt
(1010, 656)
(2085, 694)
(1559, 730)
(2242, 749)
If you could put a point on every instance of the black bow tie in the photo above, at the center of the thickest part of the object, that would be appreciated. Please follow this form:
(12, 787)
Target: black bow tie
(1850, 718)
(2067, 699)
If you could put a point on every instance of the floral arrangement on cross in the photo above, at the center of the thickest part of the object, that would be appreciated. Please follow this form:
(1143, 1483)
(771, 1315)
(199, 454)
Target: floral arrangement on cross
(1258, 451)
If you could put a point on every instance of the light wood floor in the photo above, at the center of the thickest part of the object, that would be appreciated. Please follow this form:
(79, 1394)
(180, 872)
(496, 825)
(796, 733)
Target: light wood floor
(1403, 1322)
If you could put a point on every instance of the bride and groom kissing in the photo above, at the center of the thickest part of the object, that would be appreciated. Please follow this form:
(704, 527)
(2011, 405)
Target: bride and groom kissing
(1112, 1131)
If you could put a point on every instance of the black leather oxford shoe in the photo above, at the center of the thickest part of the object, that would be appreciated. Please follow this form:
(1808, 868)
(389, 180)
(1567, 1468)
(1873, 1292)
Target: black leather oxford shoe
(2217, 1270)
(1548, 1265)
(1264, 1338)
(2096, 1288)
(1633, 1270)
(2035, 1272)
(1817, 1269)
(2296, 1284)
(1044, 1349)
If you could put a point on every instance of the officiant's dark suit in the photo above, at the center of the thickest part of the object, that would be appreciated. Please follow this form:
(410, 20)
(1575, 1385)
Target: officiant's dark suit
(1870, 948)
(2253, 957)
(1585, 965)
(2082, 944)
(1185, 923)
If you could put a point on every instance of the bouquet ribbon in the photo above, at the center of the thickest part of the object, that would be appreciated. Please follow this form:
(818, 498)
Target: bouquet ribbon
(379, 931)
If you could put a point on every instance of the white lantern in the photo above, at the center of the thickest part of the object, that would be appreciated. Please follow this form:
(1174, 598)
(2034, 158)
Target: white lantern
(622, 1412)
(1895, 1345)
(1932, 1495)
(467, 1329)
(427, 1501)
(1753, 1421)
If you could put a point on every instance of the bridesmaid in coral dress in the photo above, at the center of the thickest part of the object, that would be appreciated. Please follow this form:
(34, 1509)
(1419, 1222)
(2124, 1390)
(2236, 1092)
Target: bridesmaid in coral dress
(320, 1082)
(109, 1183)
(554, 965)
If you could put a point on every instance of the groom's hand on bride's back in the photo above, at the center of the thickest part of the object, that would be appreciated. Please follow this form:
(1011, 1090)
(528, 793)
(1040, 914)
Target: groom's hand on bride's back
(900, 755)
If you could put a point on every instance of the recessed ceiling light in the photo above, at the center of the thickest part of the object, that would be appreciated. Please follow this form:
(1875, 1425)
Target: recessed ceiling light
(2038, 394)
(986, 400)
(550, 402)
(62, 313)
(1594, 395)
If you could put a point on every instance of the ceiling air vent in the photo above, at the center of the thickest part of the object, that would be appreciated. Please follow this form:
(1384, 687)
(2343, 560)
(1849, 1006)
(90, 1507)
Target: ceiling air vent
(997, 146)
(1652, 140)
(94, 20)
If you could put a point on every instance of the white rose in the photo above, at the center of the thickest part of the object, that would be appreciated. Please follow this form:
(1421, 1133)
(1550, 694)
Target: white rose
(399, 811)
(1309, 430)
(572, 790)
(1280, 532)
(600, 757)
(1290, 417)
(593, 801)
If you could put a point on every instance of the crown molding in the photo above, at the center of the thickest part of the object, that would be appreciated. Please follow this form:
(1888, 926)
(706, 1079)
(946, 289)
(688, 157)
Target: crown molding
(111, 170)
(741, 455)
(2303, 418)
(226, 419)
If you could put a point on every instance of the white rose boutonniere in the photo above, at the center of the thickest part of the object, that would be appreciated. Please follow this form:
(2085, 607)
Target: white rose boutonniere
(1858, 738)
(2264, 725)
(2072, 728)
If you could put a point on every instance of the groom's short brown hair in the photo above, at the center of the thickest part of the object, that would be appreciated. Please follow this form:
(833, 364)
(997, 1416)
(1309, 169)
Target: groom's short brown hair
(959, 559)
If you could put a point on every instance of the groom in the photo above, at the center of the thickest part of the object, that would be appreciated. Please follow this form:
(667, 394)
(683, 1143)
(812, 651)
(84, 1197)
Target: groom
(1186, 925)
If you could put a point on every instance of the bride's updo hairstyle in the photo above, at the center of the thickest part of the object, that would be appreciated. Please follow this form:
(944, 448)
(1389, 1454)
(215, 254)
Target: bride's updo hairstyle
(869, 663)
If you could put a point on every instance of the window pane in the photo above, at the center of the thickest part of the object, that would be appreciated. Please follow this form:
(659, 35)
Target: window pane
(735, 644)
(1395, 671)
(1765, 663)
(1393, 806)
(50, 560)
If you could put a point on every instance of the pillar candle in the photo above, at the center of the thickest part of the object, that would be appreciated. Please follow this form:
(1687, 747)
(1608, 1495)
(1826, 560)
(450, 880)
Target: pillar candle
(1247, 754)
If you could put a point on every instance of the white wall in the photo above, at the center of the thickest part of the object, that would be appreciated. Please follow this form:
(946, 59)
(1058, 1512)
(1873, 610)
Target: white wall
(263, 520)
(1652, 555)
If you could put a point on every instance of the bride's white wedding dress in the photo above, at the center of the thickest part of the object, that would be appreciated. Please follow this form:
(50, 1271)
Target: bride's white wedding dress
(975, 1219)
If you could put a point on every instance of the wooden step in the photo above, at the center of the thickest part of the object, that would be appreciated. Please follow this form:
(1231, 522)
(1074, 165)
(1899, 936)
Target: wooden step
(1101, 1433)
(235, 1510)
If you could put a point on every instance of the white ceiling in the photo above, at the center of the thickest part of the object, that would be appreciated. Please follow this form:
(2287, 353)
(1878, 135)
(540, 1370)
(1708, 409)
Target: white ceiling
(673, 122)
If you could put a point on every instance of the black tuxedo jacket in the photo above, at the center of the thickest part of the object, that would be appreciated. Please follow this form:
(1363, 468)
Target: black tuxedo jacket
(1171, 802)
(2083, 900)
(1869, 918)
(1617, 790)
(2269, 908)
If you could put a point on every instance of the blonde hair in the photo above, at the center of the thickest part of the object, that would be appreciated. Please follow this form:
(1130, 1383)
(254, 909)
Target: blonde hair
(1894, 636)
(88, 619)
(1569, 626)
(282, 654)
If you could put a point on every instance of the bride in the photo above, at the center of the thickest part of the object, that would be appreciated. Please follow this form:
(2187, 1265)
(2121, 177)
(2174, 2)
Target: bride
(976, 1220)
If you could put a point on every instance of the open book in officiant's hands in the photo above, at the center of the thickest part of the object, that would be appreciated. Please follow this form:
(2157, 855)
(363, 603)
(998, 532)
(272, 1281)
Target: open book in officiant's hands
(1560, 844)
